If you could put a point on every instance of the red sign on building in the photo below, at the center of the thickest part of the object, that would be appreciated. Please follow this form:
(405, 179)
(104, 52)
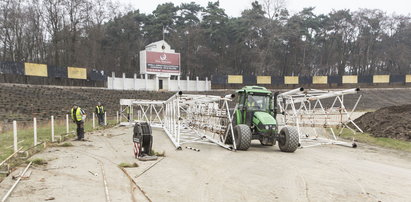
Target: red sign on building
(163, 62)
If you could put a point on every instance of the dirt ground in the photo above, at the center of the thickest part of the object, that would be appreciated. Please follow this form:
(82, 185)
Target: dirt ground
(393, 122)
(324, 173)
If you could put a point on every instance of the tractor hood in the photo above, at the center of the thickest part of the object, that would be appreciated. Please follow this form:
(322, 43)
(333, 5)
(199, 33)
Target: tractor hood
(264, 118)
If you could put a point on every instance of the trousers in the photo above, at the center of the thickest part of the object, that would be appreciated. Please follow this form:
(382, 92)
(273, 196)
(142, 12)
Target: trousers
(100, 118)
(80, 130)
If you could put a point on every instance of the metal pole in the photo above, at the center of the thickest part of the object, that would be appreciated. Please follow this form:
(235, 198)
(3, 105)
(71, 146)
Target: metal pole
(15, 135)
(105, 118)
(117, 116)
(131, 113)
(67, 124)
(52, 128)
(35, 130)
(15, 184)
(94, 122)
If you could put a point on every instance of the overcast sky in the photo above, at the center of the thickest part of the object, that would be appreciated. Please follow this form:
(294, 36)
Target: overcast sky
(234, 7)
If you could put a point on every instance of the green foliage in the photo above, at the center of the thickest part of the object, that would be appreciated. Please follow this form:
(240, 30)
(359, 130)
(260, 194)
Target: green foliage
(378, 141)
(39, 161)
(160, 154)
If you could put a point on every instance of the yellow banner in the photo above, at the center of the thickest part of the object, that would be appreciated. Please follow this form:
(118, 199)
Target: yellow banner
(407, 78)
(76, 73)
(320, 80)
(381, 79)
(291, 80)
(350, 79)
(235, 79)
(263, 79)
(32, 69)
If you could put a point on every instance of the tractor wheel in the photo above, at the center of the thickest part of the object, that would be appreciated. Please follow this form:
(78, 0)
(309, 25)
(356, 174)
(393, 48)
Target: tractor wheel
(242, 135)
(288, 139)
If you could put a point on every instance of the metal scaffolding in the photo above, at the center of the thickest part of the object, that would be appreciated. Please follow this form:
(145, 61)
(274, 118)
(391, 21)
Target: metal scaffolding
(312, 109)
(186, 118)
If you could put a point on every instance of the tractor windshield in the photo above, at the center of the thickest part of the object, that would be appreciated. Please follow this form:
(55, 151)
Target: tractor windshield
(258, 102)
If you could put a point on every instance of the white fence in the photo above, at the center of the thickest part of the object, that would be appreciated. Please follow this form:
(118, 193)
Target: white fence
(123, 83)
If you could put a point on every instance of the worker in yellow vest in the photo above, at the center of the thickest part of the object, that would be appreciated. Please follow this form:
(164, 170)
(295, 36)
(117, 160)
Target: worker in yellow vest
(128, 113)
(100, 113)
(78, 116)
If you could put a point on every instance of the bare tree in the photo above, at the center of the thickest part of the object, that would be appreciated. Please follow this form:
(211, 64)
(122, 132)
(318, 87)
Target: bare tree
(273, 8)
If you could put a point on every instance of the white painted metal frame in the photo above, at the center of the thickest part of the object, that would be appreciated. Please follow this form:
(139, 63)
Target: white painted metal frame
(304, 108)
(187, 118)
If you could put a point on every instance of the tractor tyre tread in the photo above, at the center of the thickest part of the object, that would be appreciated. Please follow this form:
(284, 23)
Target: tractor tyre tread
(244, 138)
(292, 140)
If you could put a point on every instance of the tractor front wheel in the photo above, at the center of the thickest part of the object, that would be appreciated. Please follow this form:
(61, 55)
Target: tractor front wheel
(242, 135)
(288, 139)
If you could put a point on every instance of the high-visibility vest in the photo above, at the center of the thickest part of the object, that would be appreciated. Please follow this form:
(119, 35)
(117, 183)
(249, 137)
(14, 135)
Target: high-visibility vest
(100, 109)
(76, 116)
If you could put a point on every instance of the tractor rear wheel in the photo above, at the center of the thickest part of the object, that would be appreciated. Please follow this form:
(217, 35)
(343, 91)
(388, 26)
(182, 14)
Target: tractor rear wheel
(288, 139)
(242, 135)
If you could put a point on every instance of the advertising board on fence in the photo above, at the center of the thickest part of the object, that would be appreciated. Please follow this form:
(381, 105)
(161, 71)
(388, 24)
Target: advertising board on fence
(32, 69)
(162, 62)
(76, 73)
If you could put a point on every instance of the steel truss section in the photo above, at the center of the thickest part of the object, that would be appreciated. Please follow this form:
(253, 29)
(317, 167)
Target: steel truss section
(187, 118)
(311, 109)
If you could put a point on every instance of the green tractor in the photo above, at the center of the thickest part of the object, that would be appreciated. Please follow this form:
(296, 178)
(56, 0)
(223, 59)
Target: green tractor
(255, 119)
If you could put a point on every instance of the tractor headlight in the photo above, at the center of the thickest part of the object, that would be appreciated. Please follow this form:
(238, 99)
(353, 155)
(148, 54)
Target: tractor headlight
(267, 127)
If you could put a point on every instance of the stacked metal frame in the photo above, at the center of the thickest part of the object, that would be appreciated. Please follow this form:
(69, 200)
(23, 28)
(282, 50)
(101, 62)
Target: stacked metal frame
(308, 110)
(185, 118)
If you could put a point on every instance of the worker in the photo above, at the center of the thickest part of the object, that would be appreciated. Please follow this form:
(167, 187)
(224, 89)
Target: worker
(251, 103)
(100, 113)
(128, 113)
(78, 115)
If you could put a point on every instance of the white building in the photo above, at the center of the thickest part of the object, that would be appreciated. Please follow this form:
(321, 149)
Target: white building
(161, 67)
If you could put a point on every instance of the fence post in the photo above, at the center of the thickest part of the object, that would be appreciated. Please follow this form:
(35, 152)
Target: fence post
(145, 82)
(131, 114)
(113, 76)
(94, 122)
(124, 81)
(117, 116)
(135, 81)
(67, 124)
(178, 82)
(188, 85)
(52, 128)
(35, 130)
(197, 83)
(15, 135)
(105, 118)
(206, 84)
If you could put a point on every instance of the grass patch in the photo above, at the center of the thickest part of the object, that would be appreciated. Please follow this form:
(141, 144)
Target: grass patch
(154, 153)
(66, 144)
(26, 139)
(378, 141)
(38, 161)
(128, 165)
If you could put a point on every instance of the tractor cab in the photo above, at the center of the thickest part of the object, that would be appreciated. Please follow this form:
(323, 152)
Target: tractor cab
(254, 119)
(254, 100)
